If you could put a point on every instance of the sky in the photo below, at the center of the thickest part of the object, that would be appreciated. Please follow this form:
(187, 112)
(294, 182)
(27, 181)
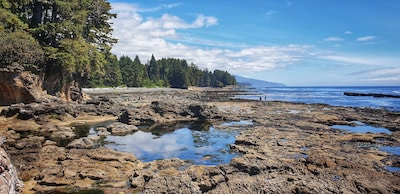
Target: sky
(295, 42)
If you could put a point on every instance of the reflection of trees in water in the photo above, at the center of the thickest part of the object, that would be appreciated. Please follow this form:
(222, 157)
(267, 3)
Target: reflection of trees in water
(161, 129)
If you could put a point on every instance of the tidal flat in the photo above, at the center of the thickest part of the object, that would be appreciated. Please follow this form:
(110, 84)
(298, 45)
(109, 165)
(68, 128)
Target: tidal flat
(288, 148)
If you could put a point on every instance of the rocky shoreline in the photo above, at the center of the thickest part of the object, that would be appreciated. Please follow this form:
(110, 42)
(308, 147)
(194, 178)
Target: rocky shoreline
(291, 148)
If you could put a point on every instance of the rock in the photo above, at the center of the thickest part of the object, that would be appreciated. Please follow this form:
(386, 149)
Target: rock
(63, 133)
(180, 183)
(164, 112)
(106, 154)
(19, 86)
(55, 181)
(9, 180)
(49, 143)
(81, 143)
(75, 93)
(54, 109)
(30, 143)
(118, 128)
(376, 95)
(102, 131)
(282, 152)
(200, 112)
(93, 173)
(139, 179)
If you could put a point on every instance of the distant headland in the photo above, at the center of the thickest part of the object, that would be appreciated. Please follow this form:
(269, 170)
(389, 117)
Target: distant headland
(243, 81)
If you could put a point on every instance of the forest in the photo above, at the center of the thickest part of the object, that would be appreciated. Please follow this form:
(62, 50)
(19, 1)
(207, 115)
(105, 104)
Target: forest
(68, 43)
(167, 72)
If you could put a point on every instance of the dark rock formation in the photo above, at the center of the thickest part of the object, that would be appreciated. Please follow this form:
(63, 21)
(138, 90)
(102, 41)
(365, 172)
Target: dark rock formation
(376, 95)
(163, 112)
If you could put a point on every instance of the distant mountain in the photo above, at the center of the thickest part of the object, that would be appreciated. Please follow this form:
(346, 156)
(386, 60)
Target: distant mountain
(243, 81)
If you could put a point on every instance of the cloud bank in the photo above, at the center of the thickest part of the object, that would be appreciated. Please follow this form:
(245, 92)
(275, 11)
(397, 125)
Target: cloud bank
(168, 36)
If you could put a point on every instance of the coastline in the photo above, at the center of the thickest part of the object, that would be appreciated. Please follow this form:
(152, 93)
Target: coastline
(292, 146)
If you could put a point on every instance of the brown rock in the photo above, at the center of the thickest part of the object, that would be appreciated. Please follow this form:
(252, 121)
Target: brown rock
(18, 86)
(93, 173)
(118, 128)
(63, 133)
(81, 143)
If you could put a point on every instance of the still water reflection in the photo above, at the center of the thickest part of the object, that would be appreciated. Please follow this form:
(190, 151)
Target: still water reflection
(196, 142)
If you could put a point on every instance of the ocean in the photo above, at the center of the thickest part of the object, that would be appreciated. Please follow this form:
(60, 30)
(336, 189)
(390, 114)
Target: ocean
(328, 95)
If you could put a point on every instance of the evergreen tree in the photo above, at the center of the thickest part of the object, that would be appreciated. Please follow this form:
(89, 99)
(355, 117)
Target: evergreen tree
(153, 70)
(112, 75)
(127, 71)
(139, 71)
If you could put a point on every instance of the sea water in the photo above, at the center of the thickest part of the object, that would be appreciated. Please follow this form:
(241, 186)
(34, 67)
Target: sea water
(329, 95)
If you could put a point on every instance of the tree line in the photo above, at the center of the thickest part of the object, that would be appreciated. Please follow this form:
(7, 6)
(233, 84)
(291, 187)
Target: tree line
(166, 72)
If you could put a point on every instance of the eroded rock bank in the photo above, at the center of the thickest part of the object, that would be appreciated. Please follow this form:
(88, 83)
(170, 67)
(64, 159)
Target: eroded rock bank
(291, 148)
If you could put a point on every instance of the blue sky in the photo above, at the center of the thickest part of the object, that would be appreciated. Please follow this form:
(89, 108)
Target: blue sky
(298, 43)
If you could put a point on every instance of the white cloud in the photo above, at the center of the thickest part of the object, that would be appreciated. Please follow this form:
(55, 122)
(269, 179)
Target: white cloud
(348, 32)
(166, 36)
(385, 71)
(362, 60)
(271, 12)
(122, 8)
(203, 20)
(333, 39)
(383, 74)
(366, 38)
(158, 8)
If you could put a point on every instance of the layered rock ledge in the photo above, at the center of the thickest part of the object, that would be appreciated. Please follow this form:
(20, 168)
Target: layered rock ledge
(290, 149)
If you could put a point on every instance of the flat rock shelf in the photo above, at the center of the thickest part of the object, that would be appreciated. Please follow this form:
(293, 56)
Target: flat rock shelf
(281, 147)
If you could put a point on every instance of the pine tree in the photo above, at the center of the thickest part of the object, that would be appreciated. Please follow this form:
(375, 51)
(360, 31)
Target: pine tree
(153, 70)
(112, 75)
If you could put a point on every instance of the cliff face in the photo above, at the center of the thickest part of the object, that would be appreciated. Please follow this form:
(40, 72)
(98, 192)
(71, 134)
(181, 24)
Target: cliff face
(20, 86)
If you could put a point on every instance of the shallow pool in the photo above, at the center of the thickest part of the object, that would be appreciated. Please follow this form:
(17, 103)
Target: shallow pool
(391, 150)
(362, 128)
(196, 142)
